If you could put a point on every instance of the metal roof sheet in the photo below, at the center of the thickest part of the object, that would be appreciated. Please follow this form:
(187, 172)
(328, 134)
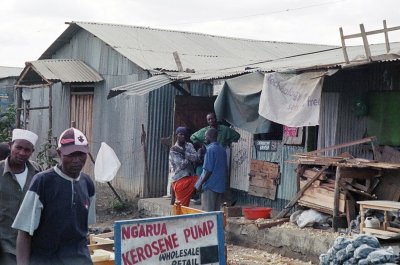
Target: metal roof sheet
(10, 71)
(65, 70)
(325, 59)
(141, 87)
(153, 48)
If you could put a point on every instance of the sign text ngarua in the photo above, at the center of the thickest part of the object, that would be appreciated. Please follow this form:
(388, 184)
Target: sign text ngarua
(192, 239)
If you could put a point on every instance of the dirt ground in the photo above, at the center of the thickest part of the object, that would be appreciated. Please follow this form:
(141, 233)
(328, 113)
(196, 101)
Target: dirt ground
(109, 209)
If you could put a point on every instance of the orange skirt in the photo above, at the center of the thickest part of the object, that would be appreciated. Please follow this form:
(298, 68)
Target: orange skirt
(184, 189)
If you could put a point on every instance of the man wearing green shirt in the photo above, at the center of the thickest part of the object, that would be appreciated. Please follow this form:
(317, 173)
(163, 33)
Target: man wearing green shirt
(226, 135)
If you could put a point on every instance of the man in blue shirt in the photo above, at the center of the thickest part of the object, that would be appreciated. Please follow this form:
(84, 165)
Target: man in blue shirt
(212, 181)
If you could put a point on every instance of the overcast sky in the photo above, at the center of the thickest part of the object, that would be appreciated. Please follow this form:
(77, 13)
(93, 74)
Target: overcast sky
(28, 28)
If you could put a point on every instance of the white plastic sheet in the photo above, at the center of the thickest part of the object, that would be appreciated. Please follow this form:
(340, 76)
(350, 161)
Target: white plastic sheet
(106, 165)
(292, 100)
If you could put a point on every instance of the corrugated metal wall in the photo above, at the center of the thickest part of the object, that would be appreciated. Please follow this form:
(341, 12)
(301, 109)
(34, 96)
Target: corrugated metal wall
(160, 125)
(39, 119)
(7, 92)
(339, 124)
(117, 121)
(353, 85)
(288, 184)
(329, 118)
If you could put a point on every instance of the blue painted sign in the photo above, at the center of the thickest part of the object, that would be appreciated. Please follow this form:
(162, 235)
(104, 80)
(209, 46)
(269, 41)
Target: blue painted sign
(191, 239)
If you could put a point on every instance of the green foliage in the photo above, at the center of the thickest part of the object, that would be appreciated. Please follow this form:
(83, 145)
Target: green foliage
(7, 123)
(119, 206)
(46, 155)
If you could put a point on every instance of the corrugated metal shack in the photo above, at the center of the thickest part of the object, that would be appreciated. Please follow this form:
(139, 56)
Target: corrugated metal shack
(360, 100)
(8, 77)
(73, 77)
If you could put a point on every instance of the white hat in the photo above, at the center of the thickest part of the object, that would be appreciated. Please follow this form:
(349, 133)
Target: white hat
(19, 134)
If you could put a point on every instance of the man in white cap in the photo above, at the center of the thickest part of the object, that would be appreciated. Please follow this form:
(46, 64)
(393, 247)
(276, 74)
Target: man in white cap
(16, 173)
(54, 216)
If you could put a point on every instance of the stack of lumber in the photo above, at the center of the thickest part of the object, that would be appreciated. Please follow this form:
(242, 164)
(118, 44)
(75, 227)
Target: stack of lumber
(101, 248)
(320, 195)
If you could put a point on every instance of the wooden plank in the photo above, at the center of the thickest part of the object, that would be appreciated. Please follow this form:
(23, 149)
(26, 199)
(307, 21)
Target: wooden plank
(361, 141)
(316, 207)
(365, 42)
(323, 201)
(105, 246)
(371, 32)
(271, 223)
(393, 229)
(344, 50)
(299, 194)
(299, 172)
(336, 199)
(323, 192)
(105, 235)
(269, 192)
(180, 69)
(100, 240)
(380, 232)
(310, 173)
(261, 182)
(350, 210)
(381, 205)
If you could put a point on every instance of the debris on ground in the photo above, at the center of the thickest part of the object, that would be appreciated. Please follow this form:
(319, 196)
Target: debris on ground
(238, 255)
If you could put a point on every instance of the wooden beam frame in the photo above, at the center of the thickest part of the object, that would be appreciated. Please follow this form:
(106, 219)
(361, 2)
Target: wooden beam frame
(364, 35)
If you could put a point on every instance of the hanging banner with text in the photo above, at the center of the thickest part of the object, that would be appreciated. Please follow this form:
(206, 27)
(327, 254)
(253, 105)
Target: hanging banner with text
(192, 239)
(292, 100)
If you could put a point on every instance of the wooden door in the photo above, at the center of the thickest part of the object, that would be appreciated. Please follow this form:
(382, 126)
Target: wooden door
(81, 112)
(191, 112)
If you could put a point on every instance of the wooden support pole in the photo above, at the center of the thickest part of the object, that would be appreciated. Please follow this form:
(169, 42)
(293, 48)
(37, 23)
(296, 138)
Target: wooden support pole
(290, 205)
(386, 36)
(19, 107)
(333, 147)
(346, 57)
(299, 172)
(362, 219)
(180, 69)
(336, 200)
(50, 108)
(365, 41)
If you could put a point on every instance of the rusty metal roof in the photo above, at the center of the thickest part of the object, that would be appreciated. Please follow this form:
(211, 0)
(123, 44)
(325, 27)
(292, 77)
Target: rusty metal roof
(152, 48)
(65, 70)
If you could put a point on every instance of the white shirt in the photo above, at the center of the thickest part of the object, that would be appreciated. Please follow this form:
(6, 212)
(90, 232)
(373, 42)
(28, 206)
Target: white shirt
(21, 177)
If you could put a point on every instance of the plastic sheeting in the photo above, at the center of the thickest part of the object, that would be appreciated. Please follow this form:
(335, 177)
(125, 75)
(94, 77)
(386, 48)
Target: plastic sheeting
(238, 102)
(292, 100)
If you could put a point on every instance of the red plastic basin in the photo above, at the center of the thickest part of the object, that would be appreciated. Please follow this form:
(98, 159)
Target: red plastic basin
(253, 213)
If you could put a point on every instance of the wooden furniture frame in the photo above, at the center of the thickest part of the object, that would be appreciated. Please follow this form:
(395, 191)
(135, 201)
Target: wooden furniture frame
(385, 231)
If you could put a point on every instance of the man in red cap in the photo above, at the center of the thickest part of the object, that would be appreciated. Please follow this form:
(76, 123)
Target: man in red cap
(60, 204)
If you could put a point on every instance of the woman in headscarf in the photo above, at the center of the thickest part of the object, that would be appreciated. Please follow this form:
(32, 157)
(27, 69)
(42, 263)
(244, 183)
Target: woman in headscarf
(182, 157)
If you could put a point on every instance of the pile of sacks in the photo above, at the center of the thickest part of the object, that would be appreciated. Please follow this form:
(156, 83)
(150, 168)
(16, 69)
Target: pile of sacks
(362, 249)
